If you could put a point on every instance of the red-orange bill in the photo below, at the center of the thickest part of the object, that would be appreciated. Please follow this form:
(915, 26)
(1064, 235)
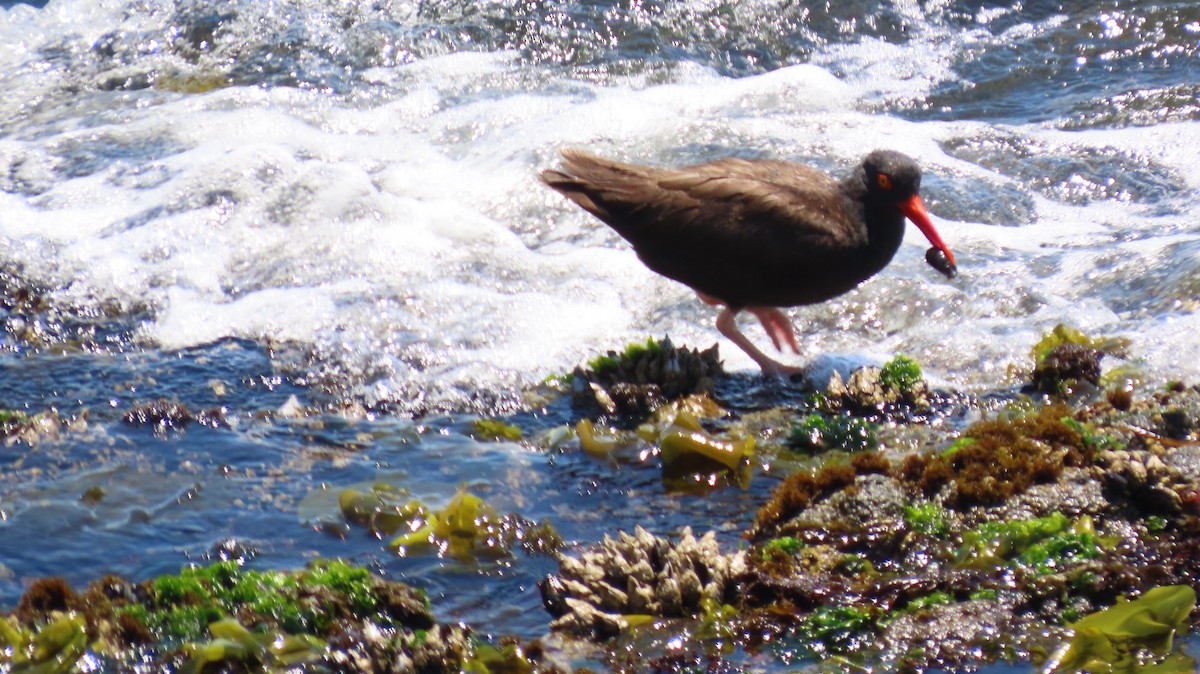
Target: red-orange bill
(914, 209)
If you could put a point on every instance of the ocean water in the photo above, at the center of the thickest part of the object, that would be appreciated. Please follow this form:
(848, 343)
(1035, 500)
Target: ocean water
(228, 204)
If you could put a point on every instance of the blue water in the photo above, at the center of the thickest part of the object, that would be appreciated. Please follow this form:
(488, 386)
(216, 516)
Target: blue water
(260, 207)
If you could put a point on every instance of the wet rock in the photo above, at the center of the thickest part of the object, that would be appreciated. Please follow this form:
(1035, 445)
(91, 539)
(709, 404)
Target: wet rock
(1177, 423)
(638, 574)
(1076, 492)
(30, 429)
(946, 636)
(1143, 478)
(164, 415)
(866, 392)
(875, 502)
(1186, 462)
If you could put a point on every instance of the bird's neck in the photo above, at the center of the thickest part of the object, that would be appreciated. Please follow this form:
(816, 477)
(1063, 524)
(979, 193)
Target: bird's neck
(882, 220)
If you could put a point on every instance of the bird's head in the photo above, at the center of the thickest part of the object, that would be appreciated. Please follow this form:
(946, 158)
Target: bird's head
(894, 178)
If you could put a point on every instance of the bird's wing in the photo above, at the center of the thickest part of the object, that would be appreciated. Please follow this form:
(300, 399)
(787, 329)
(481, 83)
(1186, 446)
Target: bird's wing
(723, 202)
(788, 203)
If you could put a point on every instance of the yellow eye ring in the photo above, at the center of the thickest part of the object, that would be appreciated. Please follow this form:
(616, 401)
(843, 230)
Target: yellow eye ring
(883, 181)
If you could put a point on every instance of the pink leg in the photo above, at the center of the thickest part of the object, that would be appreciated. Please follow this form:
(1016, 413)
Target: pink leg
(727, 325)
(778, 327)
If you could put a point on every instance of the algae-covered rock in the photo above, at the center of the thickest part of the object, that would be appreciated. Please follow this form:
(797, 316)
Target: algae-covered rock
(1064, 367)
(1005, 457)
(876, 502)
(818, 433)
(1066, 358)
(331, 615)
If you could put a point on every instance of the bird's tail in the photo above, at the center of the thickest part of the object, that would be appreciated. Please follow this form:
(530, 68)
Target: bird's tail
(586, 179)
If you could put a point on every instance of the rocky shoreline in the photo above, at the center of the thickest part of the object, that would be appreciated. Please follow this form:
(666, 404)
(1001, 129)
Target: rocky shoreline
(1055, 512)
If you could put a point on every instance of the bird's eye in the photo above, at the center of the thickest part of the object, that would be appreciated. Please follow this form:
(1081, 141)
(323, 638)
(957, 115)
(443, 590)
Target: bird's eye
(883, 181)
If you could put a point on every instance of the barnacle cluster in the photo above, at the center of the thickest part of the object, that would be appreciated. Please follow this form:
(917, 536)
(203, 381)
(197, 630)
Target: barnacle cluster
(644, 376)
(637, 577)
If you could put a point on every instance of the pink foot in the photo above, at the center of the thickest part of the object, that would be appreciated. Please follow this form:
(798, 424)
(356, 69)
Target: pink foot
(778, 327)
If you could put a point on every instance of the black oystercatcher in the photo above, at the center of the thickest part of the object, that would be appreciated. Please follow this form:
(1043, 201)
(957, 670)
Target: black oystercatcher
(756, 235)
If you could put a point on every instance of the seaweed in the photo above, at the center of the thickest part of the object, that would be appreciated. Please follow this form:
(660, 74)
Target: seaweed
(928, 601)
(468, 526)
(689, 452)
(231, 641)
(1131, 636)
(494, 429)
(13, 422)
(1007, 457)
(53, 648)
(784, 546)
(597, 443)
(1065, 357)
(184, 605)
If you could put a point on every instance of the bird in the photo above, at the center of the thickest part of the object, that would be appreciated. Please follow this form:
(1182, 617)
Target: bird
(756, 235)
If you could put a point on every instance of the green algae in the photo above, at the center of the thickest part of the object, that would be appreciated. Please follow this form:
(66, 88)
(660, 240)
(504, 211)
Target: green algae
(785, 546)
(13, 421)
(929, 601)
(816, 432)
(612, 361)
(1042, 545)
(184, 605)
(1092, 438)
(836, 629)
(928, 518)
(956, 446)
(901, 374)
(212, 615)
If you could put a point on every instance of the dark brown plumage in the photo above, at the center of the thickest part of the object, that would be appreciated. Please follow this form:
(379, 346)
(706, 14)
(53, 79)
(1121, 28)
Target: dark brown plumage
(756, 234)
